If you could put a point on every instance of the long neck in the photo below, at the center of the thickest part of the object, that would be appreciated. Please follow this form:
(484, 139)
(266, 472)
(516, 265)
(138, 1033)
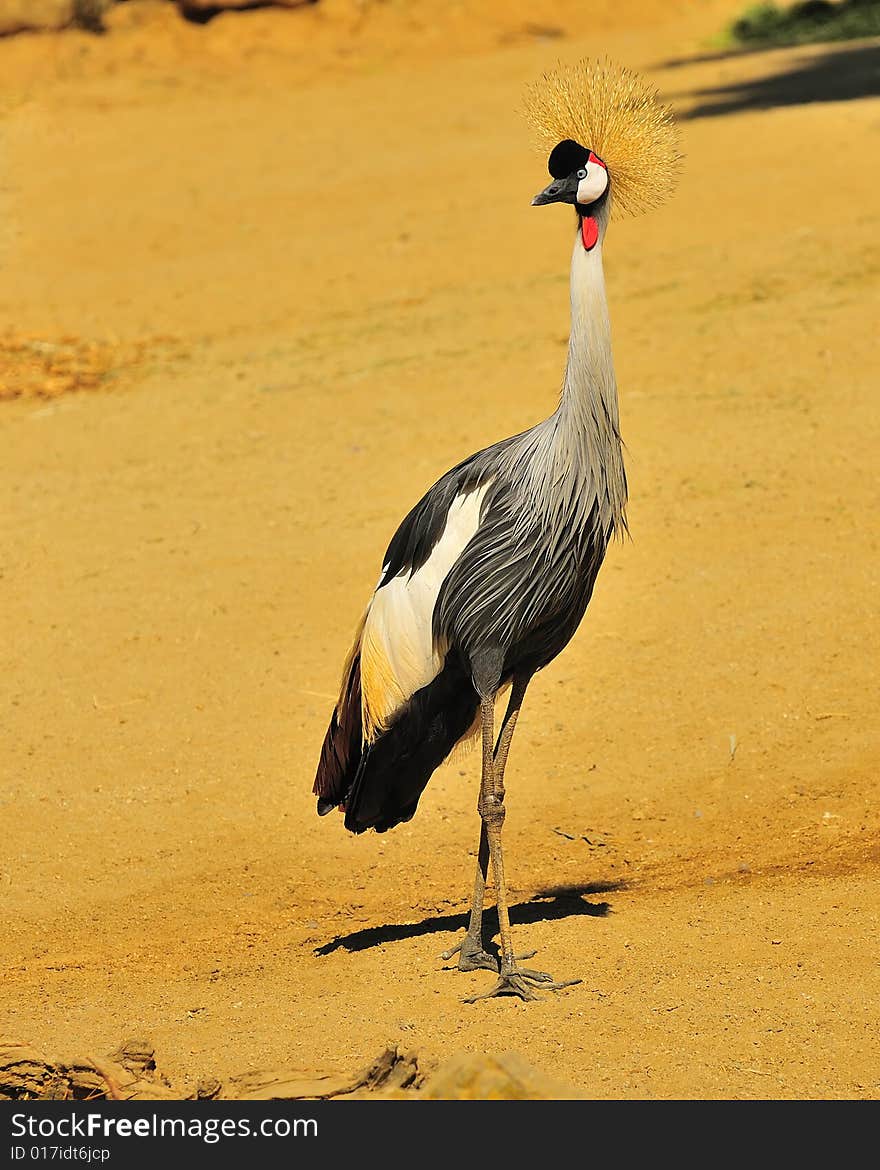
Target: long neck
(588, 418)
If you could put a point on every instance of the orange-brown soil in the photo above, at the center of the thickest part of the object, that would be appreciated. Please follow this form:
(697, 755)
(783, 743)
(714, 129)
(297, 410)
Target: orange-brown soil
(299, 250)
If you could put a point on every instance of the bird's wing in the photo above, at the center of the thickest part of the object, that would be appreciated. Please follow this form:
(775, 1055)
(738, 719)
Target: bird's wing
(398, 653)
(397, 650)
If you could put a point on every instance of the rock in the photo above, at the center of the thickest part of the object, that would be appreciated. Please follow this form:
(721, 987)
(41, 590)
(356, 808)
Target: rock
(390, 1072)
(197, 7)
(27, 1075)
(89, 14)
(35, 15)
(50, 15)
(508, 1077)
(130, 1074)
(137, 1055)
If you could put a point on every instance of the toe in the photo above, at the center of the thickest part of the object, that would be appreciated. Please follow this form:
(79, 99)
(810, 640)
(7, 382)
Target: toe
(534, 976)
(478, 961)
(523, 983)
(472, 956)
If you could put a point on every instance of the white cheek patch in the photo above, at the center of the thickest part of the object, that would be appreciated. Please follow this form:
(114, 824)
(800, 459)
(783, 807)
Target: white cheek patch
(593, 185)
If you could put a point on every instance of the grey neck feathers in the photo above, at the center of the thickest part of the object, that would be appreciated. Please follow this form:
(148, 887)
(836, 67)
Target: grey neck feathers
(569, 468)
(587, 424)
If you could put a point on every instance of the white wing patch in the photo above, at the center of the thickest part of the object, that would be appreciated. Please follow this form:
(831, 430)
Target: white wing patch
(398, 656)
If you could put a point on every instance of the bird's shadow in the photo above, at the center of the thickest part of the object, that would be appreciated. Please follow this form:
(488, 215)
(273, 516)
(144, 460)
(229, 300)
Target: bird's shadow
(839, 74)
(544, 906)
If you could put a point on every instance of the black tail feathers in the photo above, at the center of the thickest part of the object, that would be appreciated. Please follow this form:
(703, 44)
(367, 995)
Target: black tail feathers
(342, 749)
(393, 771)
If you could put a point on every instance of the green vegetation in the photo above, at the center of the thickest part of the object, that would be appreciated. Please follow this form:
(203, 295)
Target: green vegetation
(811, 20)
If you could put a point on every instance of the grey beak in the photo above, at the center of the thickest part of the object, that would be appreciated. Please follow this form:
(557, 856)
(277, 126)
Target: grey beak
(559, 191)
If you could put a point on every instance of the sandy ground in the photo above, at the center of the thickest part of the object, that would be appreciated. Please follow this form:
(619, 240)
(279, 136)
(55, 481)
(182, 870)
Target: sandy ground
(314, 281)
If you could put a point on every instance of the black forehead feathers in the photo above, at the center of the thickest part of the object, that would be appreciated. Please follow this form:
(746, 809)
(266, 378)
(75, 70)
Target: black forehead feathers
(567, 157)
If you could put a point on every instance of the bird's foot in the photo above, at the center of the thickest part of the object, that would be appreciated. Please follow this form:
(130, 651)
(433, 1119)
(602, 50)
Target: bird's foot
(522, 982)
(473, 956)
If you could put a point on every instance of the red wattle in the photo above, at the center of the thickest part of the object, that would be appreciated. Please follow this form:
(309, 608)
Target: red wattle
(589, 232)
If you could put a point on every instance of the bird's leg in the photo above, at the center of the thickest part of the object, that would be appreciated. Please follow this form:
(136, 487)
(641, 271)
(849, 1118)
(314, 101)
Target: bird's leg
(513, 980)
(471, 950)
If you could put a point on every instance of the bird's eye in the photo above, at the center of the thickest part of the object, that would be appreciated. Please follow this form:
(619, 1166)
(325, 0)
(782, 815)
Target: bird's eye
(582, 173)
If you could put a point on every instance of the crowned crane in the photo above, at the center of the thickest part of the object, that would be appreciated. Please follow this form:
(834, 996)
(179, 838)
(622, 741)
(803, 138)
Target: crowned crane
(488, 577)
